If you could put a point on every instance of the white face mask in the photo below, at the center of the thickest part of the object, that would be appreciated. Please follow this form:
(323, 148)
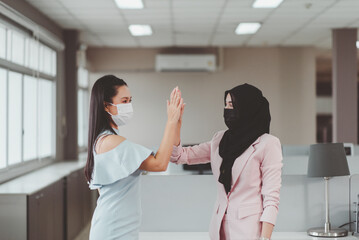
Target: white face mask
(124, 113)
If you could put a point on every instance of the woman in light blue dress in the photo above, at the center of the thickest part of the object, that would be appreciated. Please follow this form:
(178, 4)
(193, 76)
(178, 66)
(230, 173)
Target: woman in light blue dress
(114, 164)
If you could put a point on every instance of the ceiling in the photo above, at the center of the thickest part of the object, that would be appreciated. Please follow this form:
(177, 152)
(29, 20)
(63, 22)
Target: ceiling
(203, 23)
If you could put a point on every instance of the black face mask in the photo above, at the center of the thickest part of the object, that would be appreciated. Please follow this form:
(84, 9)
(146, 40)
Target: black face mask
(231, 118)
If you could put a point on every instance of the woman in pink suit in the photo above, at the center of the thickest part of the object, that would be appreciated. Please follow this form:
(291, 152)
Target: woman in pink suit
(247, 162)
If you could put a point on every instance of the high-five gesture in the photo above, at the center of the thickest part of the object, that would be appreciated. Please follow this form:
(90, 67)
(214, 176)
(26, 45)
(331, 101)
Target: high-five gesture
(160, 161)
(175, 95)
(175, 106)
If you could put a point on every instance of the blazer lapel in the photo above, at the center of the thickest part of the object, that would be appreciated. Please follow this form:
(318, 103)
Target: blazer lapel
(241, 162)
(217, 163)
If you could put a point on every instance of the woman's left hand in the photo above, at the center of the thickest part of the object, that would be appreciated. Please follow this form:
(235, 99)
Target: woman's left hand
(267, 229)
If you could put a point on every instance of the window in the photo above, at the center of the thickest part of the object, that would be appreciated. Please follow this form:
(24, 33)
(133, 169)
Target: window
(32, 54)
(3, 100)
(46, 113)
(53, 63)
(27, 51)
(27, 99)
(8, 44)
(80, 129)
(18, 48)
(15, 117)
(82, 109)
(2, 42)
(47, 60)
(30, 118)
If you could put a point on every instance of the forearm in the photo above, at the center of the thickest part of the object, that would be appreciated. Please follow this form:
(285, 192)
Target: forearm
(267, 229)
(164, 152)
(178, 135)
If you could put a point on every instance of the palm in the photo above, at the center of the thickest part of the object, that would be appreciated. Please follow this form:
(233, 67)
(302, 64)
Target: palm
(174, 106)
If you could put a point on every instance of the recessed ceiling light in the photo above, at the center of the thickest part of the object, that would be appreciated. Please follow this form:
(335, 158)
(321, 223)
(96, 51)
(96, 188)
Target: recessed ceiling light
(357, 44)
(247, 28)
(140, 30)
(266, 3)
(129, 4)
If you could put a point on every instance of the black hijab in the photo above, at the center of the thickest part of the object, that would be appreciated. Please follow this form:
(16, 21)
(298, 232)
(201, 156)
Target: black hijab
(248, 120)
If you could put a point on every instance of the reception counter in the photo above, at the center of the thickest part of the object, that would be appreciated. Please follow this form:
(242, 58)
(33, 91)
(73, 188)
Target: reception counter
(204, 236)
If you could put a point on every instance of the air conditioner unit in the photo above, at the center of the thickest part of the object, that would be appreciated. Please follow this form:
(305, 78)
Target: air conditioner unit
(185, 63)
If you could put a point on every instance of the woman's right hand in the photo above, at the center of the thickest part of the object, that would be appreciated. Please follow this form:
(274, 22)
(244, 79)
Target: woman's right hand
(180, 118)
(159, 162)
(175, 106)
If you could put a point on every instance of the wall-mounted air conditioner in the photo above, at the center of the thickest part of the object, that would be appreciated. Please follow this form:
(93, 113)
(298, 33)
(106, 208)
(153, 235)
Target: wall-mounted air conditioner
(185, 62)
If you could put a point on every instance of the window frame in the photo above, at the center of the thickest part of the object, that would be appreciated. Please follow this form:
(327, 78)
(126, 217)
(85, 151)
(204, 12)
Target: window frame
(14, 170)
(85, 90)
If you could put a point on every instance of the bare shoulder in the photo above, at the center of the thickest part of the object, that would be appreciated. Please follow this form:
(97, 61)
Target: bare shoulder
(108, 143)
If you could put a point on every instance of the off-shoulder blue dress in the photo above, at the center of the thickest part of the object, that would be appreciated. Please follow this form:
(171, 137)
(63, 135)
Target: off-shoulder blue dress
(116, 174)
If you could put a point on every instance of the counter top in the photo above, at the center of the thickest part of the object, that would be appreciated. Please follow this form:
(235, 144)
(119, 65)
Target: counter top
(39, 179)
(204, 236)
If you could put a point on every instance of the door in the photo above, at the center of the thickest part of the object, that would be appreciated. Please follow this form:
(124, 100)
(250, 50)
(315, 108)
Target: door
(46, 213)
(74, 208)
(58, 190)
(33, 217)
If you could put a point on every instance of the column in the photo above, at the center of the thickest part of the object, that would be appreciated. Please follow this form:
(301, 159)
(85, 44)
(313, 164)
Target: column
(70, 140)
(345, 95)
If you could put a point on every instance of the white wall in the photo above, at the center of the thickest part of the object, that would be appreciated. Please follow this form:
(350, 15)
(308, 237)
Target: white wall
(285, 75)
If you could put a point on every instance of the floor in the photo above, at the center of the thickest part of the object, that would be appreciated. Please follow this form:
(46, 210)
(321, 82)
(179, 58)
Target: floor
(84, 235)
(204, 236)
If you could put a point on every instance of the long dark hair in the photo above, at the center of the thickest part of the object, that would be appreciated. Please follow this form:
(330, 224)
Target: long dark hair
(104, 89)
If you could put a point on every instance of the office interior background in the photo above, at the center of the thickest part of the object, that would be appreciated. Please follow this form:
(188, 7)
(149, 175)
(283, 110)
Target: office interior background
(303, 55)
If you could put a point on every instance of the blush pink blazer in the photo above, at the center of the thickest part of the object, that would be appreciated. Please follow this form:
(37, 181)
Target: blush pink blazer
(256, 182)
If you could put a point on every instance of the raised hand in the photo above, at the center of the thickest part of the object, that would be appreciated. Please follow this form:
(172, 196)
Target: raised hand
(175, 106)
(182, 110)
(160, 161)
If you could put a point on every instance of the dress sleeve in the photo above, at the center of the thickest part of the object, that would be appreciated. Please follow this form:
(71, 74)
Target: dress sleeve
(271, 169)
(118, 163)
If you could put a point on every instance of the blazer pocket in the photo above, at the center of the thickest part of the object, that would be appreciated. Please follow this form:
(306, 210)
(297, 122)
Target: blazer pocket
(248, 210)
